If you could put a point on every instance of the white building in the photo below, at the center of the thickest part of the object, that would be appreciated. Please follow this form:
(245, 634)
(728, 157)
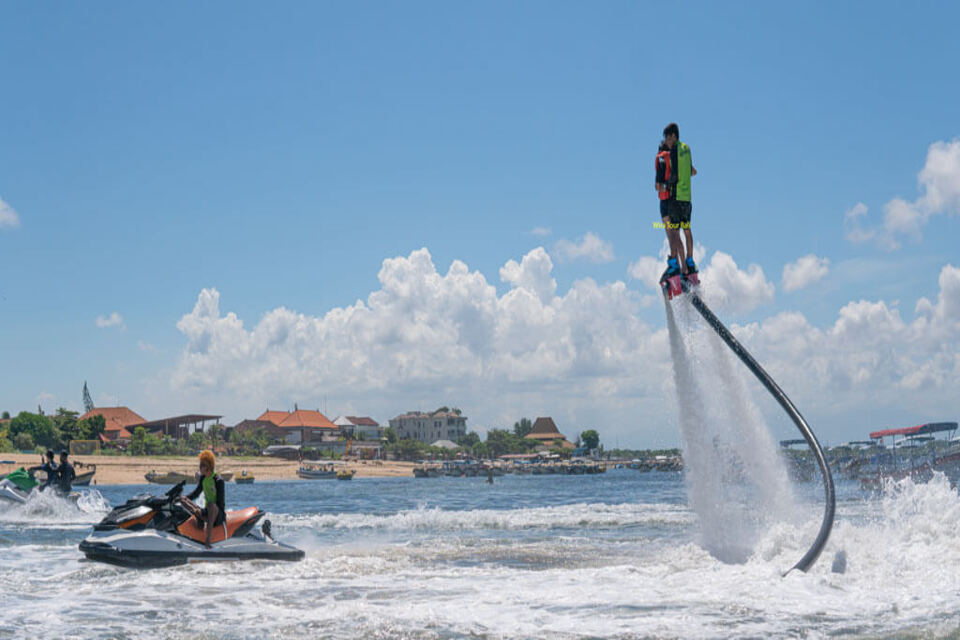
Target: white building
(429, 427)
(360, 427)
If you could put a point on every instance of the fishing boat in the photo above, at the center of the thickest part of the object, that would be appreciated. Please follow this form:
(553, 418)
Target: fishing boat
(173, 477)
(244, 477)
(84, 479)
(346, 474)
(317, 471)
(169, 477)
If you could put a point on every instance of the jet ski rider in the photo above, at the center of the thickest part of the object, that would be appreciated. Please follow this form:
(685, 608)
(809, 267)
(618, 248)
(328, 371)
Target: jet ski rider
(213, 513)
(50, 468)
(65, 474)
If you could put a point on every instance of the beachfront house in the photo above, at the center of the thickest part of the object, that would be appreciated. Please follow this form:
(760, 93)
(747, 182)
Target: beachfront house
(120, 423)
(546, 433)
(359, 427)
(303, 426)
(428, 427)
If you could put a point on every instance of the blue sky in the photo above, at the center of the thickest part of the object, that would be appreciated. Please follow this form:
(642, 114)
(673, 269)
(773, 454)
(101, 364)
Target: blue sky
(280, 154)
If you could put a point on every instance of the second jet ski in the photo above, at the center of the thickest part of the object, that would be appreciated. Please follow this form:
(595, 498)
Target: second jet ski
(157, 531)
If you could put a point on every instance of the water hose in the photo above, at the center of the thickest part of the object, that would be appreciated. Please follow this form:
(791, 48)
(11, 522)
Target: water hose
(830, 498)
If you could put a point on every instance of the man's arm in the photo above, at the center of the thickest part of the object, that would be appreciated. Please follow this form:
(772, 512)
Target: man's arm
(196, 492)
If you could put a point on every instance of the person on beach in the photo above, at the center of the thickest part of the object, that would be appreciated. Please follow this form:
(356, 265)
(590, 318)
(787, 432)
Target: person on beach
(680, 201)
(49, 467)
(213, 513)
(65, 474)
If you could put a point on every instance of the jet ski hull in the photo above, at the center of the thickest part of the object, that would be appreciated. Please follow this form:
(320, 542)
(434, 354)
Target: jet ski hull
(11, 494)
(150, 548)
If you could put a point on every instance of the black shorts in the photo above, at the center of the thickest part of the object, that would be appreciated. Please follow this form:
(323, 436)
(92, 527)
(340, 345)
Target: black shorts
(221, 517)
(664, 209)
(680, 211)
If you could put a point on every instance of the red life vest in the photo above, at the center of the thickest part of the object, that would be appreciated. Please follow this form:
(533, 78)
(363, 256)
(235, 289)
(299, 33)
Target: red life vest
(663, 159)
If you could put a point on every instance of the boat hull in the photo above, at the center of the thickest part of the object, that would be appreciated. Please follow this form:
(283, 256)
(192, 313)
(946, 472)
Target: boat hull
(154, 549)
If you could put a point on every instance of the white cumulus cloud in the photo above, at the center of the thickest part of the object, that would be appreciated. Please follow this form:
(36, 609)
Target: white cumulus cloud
(590, 247)
(804, 271)
(112, 320)
(541, 231)
(939, 185)
(730, 288)
(426, 337)
(8, 217)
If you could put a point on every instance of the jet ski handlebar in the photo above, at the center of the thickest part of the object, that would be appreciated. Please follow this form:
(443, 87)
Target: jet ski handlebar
(175, 491)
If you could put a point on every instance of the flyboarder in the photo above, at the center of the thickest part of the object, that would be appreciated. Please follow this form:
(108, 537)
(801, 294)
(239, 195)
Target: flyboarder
(680, 205)
(665, 173)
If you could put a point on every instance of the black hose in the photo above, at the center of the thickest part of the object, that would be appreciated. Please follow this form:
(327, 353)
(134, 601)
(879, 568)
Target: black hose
(830, 507)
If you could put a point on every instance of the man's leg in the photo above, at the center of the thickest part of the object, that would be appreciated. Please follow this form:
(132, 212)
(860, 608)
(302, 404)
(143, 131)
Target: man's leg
(689, 235)
(212, 512)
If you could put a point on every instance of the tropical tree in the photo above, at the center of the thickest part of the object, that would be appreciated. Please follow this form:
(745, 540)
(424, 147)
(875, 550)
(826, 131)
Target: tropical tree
(23, 441)
(65, 422)
(523, 427)
(138, 440)
(469, 440)
(195, 441)
(41, 428)
(391, 435)
(91, 428)
(590, 438)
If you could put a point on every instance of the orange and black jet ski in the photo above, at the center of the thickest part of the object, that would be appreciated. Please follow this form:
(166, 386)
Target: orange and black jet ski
(156, 531)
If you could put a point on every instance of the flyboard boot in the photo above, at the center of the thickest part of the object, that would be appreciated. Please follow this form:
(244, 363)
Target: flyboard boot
(692, 277)
(671, 280)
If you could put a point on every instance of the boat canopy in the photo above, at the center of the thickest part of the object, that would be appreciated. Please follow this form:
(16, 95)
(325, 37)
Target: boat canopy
(787, 443)
(930, 427)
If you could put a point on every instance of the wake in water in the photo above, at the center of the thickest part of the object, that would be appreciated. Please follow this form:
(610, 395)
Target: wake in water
(736, 482)
(47, 508)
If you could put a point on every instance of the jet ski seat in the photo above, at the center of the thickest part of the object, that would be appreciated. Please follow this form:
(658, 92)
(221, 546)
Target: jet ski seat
(232, 522)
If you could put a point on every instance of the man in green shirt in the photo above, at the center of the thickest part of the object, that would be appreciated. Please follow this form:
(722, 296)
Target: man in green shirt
(680, 204)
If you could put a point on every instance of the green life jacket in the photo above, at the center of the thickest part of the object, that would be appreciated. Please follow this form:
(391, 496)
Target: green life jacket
(209, 484)
(684, 164)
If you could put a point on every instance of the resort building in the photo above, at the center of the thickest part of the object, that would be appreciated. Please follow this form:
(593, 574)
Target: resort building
(546, 433)
(253, 425)
(428, 427)
(359, 427)
(120, 422)
(302, 426)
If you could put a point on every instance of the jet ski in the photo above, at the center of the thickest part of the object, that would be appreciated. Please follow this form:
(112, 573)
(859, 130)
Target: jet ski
(157, 531)
(10, 493)
(18, 486)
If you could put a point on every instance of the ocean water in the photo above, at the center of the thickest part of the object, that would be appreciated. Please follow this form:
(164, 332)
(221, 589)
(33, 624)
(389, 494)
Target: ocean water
(619, 555)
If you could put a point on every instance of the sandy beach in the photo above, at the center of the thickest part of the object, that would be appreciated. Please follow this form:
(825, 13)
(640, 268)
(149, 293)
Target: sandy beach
(132, 469)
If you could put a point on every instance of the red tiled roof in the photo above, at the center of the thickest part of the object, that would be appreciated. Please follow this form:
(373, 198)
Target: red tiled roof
(117, 418)
(306, 418)
(363, 421)
(276, 417)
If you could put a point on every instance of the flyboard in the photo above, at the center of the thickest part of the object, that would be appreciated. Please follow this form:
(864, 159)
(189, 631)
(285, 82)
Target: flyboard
(676, 285)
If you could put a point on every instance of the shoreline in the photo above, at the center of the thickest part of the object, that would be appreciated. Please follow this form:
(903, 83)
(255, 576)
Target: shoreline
(120, 470)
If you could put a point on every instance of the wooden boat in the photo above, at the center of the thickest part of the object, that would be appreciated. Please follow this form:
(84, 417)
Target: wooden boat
(173, 477)
(244, 478)
(83, 479)
(170, 477)
(317, 472)
(346, 474)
